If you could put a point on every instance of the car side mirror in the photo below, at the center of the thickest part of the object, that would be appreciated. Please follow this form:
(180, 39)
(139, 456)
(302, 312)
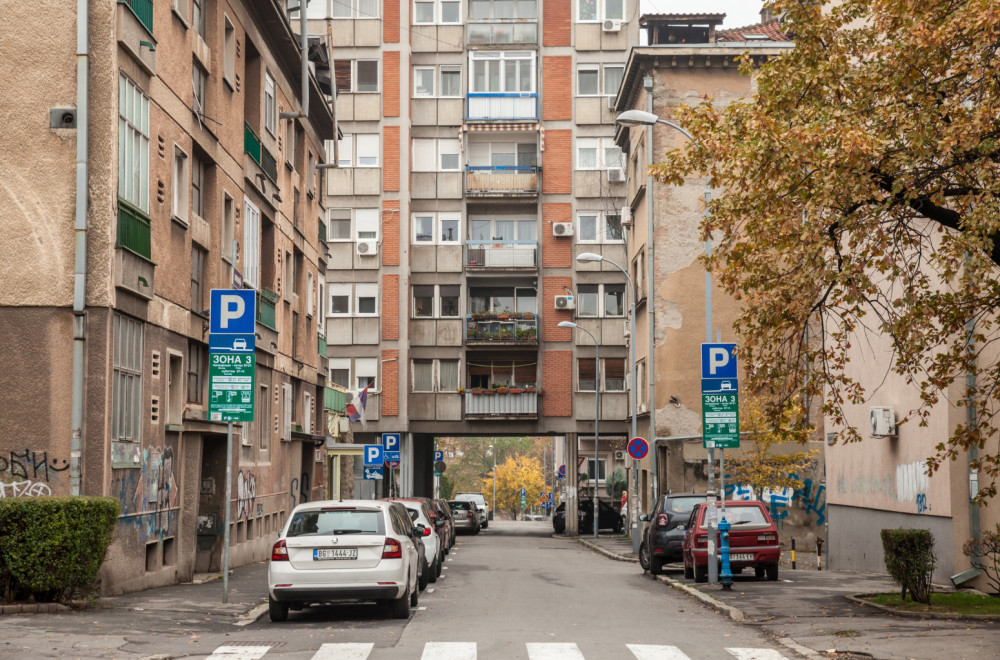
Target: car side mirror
(680, 527)
(644, 517)
(439, 523)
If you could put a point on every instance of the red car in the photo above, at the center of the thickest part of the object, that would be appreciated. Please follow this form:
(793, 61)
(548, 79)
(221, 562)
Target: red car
(753, 541)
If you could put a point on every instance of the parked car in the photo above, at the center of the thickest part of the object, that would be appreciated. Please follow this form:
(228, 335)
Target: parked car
(662, 540)
(432, 553)
(753, 541)
(435, 523)
(607, 517)
(465, 514)
(331, 551)
(480, 501)
(441, 508)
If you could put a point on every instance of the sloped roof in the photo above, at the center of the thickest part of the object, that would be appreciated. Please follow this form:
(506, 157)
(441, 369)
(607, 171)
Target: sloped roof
(682, 17)
(771, 31)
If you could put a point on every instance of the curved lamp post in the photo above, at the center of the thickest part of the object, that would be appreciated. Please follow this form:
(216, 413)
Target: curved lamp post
(494, 514)
(597, 405)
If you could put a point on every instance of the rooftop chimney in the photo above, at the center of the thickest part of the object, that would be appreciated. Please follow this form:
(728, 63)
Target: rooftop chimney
(766, 15)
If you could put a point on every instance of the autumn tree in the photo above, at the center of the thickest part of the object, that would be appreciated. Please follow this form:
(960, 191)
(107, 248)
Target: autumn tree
(512, 475)
(860, 191)
(474, 461)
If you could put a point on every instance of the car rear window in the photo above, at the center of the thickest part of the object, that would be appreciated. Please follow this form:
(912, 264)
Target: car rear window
(744, 516)
(339, 521)
(683, 504)
(460, 505)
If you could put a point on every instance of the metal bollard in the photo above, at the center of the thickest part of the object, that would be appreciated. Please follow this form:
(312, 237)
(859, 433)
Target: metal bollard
(793, 554)
(819, 554)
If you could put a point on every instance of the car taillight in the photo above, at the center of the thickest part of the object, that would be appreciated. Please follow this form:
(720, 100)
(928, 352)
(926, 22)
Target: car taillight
(470, 514)
(279, 552)
(662, 520)
(392, 549)
(427, 531)
(768, 538)
(701, 540)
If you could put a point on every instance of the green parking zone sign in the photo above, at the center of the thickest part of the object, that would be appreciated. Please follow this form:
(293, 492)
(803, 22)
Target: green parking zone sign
(231, 387)
(720, 418)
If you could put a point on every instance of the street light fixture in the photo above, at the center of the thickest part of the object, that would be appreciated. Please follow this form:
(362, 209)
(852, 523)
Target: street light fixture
(597, 406)
(634, 508)
(494, 514)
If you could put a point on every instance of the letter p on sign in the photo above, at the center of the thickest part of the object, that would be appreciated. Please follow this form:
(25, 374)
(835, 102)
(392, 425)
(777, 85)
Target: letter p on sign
(233, 311)
(718, 361)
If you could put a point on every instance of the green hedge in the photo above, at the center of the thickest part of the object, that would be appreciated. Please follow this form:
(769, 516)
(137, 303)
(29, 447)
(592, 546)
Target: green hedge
(910, 561)
(49, 546)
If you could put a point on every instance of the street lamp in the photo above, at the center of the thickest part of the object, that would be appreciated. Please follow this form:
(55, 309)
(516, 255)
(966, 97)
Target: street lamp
(494, 515)
(634, 508)
(597, 405)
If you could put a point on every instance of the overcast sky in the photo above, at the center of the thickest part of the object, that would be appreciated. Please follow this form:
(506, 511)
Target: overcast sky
(738, 12)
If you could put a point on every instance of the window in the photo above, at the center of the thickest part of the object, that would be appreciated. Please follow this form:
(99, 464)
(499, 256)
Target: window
(435, 375)
(502, 300)
(289, 286)
(436, 227)
(435, 300)
(340, 372)
(598, 153)
(363, 295)
(290, 143)
(500, 9)
(612, 374)
(366, 373)
(195, 372)
(589, 11)
(587, 80)
(251, 243)
(600, 300)
(229, 52)
(437, 155)
(613, 75)
(338, 225)
(198, 17)
(599, 227)
(502, 229)
(340, 299)
(133, 144)
(263, 425)
(357, 150)
(179, 206)
(198, 257)
(502, 71)
(198, 187)
(423, 375)
(503, 154)
(228, 227)
(437, 11)
(356, 76)
(309, 296)
(366, 295)
(602, 469)
(199, 82)
(594, 80)
(423, 81)
(269, 102)
(343, 9)
(126, 406)
(451, 81)
(366, 224)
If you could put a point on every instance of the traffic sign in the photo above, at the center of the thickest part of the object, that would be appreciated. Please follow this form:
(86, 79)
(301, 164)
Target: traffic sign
(233, 312)
(391, 458)
(390, 441)
(720, 420)
(439, 466)
(230, 387)
(638, 448)
(524, 498)
(719, 385)
(550, 496)
(718, 360)
(438, 456)
(373, 456)
(221, 343)
(373, 472)
(523, 492)
(562, 472)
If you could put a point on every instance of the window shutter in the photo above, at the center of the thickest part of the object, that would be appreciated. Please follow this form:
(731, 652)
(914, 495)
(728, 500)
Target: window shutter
(286, 412)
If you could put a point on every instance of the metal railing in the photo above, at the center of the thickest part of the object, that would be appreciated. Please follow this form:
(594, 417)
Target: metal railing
(322, 230)
(501, 404)
(489, 328)
(143, 10)
(502, 180)
(251, 143)
(266, 306)
(321, 344)
(269, 164)
(335, 399)
(502, 31)
(501, 254)
(134, 230)
(505, 106)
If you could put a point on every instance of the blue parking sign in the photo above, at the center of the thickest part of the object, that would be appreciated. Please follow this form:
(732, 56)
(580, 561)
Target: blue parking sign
(390, 441)
(233, 311)
(718, 360)
(373, 456)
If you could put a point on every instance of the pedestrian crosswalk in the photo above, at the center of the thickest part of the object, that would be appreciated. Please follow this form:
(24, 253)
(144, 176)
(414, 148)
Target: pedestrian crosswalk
(469, 651)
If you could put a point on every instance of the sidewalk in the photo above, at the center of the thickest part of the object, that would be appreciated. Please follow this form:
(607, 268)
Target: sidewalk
(808, 611)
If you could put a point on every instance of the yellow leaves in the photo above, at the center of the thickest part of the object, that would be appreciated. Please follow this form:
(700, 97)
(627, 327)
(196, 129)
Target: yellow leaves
(512, 475)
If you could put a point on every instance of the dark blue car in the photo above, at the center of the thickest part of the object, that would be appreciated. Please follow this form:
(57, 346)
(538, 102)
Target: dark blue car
(663, 538)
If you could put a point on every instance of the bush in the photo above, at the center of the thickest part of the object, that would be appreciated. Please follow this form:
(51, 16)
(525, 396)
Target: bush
(617, 484)
(50, 546)
(985, 555)
(910, 560)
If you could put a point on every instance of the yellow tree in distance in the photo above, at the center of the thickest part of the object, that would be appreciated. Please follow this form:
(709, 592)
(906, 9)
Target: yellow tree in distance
(512, 475)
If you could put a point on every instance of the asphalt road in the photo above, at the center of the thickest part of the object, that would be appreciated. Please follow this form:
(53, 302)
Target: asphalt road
(513, 591)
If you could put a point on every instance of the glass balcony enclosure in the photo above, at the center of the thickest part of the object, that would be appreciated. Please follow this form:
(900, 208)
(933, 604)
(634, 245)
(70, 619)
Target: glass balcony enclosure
(502, 243)
(502, 85)
(502, 168)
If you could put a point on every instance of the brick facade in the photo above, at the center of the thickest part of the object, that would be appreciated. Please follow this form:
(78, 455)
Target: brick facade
(390, 232)
(557, 380)
(557, 88)
(552, 287)
(390, 307)
(557, 162)
(390, 158)
(557, 22)
(557, 251)
(390, 83)
(390, 21)
(390, 383)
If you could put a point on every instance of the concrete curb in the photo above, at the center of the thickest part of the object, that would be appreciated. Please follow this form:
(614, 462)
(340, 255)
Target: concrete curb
(34, 608)
(252, 615)
(859, 599)
(804, 651)
(734, 613)
(606, 553)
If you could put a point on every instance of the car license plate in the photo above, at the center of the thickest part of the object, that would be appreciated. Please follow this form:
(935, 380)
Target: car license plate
(741, 556)
(335, 553)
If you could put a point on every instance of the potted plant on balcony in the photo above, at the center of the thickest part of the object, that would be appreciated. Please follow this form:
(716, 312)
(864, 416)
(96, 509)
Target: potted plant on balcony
(515, 390)
(461, 391)
(489, 391)
(476, 390)
(502, 389)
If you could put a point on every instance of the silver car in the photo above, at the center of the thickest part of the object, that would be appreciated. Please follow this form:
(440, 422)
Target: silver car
(466, 515)
(480, 501)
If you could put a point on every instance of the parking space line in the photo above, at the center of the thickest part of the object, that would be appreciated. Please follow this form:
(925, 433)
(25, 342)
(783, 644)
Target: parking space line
(449, 651)
(345, 651)
(554, 651)
(652, 652)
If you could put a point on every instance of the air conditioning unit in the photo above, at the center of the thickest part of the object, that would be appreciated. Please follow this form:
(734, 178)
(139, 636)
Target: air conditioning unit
(616, 175)
(367, 248)
(626, 216)
(612, 26)
(611, 102)
(628, 330)
(883, 421)
(619, 455)
(562, 228)
(565, 302)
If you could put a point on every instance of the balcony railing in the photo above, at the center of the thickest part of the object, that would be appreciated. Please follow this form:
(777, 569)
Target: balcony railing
(134, 230)
(269, 164)
(486, 180)
(321, 344)
(252, 145)
(501, 254)
(492, 329)
(322, 230)
(502, 31)
(143, 10)
(503, 106)
(493, 405)
(266, 300)
(335, 399)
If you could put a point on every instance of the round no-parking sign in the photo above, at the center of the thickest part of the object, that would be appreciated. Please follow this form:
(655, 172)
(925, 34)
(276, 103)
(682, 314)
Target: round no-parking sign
(638, 448)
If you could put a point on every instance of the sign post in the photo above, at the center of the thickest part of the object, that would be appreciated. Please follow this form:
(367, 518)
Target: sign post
(720, 409)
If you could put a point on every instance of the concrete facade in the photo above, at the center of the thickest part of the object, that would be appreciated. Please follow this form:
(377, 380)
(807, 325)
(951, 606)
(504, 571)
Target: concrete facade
(149, 267)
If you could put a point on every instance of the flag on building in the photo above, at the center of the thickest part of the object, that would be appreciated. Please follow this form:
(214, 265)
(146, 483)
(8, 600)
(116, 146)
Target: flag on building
(356, 408)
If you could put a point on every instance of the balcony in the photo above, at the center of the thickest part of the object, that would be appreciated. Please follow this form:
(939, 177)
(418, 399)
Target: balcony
(501, 329)
(259, 153)
(502, 106)
(503, 181)
(321, 344)
(495, 405)
(481, 255)
(502, 32)
(335, 399)
(134, 230)
(143, 10)
(266, 303)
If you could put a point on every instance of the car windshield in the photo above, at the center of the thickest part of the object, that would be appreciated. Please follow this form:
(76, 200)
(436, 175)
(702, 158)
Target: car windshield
(340, 521)
(683, 504)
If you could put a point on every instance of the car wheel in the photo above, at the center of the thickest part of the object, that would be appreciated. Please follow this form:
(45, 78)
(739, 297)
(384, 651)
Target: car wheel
(475, 532)
(485, 525)
(655, 565)
(688, 572)
(700, 573)
(425, 573)
(772, 572)
(644, 557)
(440, 567)
(414, 597)
(401, 606)
(432, 575)
(278, 612)
(758, 572)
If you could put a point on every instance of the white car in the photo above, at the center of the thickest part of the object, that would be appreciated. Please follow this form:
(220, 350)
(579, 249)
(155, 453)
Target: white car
(432, 542)
(344, 550)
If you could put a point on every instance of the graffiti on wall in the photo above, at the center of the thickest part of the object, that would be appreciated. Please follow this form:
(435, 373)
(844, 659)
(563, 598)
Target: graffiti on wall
(246, 493)
(299, 492)
(908, 483)
(148, 495)
(780, 500)
(29, 473)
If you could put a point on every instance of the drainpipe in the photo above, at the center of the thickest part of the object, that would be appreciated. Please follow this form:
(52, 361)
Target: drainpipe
(80, 252)
(647, 83)
(304, 53)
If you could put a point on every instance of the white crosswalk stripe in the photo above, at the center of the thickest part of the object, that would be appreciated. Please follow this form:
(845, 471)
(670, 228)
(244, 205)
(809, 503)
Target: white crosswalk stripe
(343, 651)
(555, 651)
(449, 651)
(652, 652)
(756, 654)
(239, 652)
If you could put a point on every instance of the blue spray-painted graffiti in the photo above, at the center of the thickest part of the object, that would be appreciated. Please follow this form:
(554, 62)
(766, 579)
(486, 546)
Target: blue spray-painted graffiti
(922, 503)
(300, 489)
(146, 497)
(780, 500)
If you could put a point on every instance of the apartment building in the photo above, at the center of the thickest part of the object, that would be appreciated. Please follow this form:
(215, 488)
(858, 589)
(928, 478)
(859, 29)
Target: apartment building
(477, 160)
(159, 150)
